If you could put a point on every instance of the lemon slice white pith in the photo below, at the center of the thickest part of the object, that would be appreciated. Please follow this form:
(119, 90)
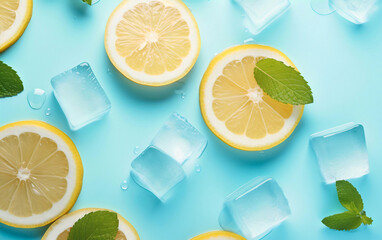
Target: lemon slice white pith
(236, 109)
(40, 174)
(218, 235)
(152, 42)
(14, 18)
(61, 228)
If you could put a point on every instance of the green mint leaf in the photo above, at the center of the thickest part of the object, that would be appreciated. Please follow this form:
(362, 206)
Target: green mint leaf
(88, 1)
(365, 219)
(99, 225)
(343, 221)
(282, 83)
(349, 197)
(10, 83)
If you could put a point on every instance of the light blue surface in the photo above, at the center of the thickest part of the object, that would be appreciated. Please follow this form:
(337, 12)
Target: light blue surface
(341, 61)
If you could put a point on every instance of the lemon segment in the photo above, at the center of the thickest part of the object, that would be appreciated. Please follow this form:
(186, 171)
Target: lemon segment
(60, 229)
(14, 18)
(218, 235)
(40, 174)
(236, 109)
(153, 42)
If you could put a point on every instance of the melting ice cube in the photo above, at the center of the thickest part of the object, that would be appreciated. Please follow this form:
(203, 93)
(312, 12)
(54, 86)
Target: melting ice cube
(341, 152)
(261, 13)
(80, 96)
(255, 209)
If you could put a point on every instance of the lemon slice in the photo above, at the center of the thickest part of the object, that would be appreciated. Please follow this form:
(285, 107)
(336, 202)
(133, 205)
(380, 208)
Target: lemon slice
(40, 174)
(236, 109)
(14, 18)
(218, 235)
(152, 42)
(60, 229)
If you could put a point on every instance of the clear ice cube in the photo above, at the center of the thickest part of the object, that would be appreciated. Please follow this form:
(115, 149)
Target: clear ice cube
(255, 209)
(261, 13)
(179, 139)
(165, 162)
(157, 172)
(356, 11)
(80, 96)
(341, 152)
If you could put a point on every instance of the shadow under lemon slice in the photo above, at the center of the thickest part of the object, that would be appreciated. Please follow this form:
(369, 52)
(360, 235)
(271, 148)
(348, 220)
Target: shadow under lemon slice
(218, 235)
(40, 174)
(154, 42)
(60, 229)
(236, 109)
(15, 16)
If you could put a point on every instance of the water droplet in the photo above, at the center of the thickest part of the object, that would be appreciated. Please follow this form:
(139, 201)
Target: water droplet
(36, 98)
(124, 185)
(321, 7)
(136, 150)
(249, 40)
(181, 93)
(48, 112)
(198, 169)
(108, 71)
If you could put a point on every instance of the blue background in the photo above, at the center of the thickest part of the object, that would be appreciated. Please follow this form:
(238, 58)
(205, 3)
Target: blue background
(341, 61)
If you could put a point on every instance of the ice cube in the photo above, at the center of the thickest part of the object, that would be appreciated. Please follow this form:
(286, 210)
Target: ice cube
(255, 209)
(157, 172)
(165, 162)
(179, 139)
(80, 96)
(341, 152)
(356, 11)
(261, 13)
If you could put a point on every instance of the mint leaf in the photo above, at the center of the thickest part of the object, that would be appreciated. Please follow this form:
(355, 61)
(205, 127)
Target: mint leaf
(349, 197)
(282, 83)
(10, 83)
(343, 221)
(88, 1)
(365, 219)
(99, 225)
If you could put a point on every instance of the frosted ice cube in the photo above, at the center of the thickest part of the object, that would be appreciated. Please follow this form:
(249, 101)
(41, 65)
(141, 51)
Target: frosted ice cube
(80, 96)
(341, 152)
(179, 139)
(356, 11)
(261, 13)
(255, 209)
(166, 161)
(157, 172)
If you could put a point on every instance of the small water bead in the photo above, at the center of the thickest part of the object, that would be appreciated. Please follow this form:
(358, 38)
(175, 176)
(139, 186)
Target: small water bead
(181, 93)
(136, 150)
(36, 98)
(249, 40)
(48, 112)
(124, 185)
(198, 168)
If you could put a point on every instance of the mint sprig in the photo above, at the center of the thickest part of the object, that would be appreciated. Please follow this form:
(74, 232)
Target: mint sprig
(10, 82)
(350, 199)
(88, 1)
(95, 226)
(282, 83)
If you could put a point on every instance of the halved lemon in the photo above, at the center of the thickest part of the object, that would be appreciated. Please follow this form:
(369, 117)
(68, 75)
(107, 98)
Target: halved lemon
(40, 174)
(218, 235)
(60, 229)
(152, 42)
(14, 18)
(236, 109)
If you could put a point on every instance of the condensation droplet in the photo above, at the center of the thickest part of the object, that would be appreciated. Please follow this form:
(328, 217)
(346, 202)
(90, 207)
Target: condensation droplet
(48, 112)
(124, 185)
(198, 168)
(136, 150)
(36, 98)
